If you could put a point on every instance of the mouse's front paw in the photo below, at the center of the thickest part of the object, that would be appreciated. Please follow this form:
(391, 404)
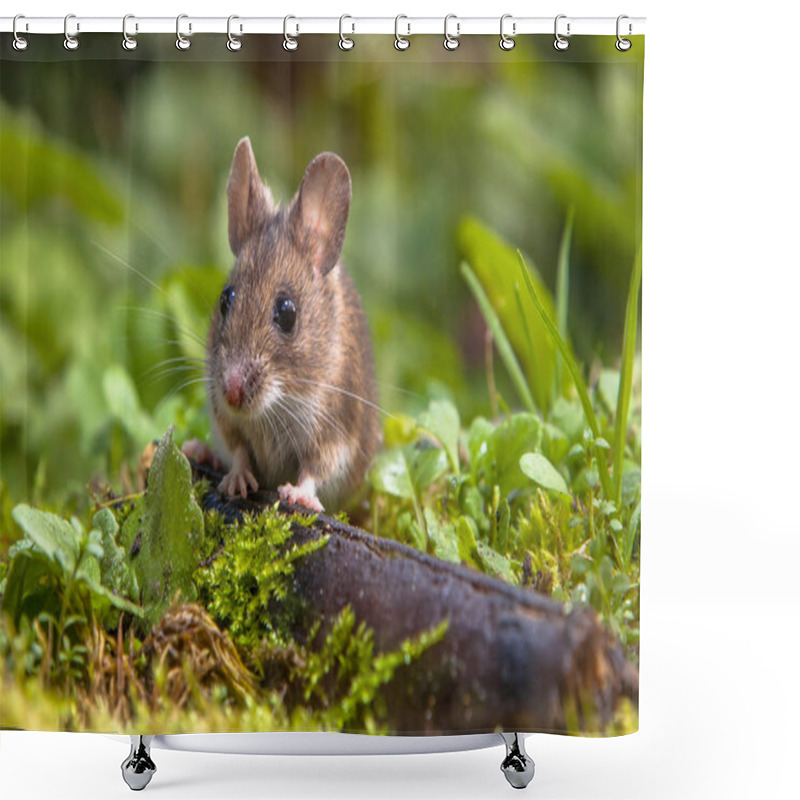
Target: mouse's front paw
(237, 481)
(301, 495)
(200, 453)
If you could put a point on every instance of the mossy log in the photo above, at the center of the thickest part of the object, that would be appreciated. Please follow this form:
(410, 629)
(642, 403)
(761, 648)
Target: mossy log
(511, 659)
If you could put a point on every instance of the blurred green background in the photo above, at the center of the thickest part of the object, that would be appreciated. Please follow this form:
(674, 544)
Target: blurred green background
(114, 244)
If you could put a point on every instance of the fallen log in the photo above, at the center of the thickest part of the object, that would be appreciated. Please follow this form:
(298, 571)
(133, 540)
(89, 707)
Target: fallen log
(510, 659)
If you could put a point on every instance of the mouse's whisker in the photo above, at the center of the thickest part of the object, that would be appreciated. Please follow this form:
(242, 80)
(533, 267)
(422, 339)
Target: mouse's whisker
(190, 334)
(157, 242)
(340, 390)
(323, 417)
(118, 340)
(393, 387)
(267, 420)
(186, 385)
(162, 375)
(133, 269)
(177, 360)
(174, 365)
(279, 405)
(318, 417)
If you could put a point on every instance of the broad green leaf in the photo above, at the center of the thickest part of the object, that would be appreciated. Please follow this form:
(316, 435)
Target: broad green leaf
(500, 339)
(620, 584)
(543, 473)
(115, 566)
(477, 440)
(166, 525)
(626, 375)
(441, 420)
(427, 466)
(512, 438)
(496, 564)
(407, 471)
(399, 429)
(554, 444)
(494, 263)
(442, 538)
(55, 537)
(114, 599)
(391, 474)
(567, 416)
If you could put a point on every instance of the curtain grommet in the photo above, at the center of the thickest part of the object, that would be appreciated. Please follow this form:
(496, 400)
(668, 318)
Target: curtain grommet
(401, 43)
(70, 42)
(560, 43)
(622, 44)
(128, 42)
(290, 43)
(182, 42)
(507, 42)
(20, 43)
(451, 42)
(234, 43)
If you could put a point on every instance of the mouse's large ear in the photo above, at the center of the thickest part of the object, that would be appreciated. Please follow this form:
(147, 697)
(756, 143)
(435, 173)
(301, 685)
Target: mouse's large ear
(249, 201)
(319, 213)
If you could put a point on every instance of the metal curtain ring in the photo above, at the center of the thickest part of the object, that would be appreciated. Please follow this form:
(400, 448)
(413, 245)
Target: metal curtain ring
(451, 42)
(560, 42)
(623, 45)
(20, 42)
(70, 42)
(128, 42)
(400, 42)
(345, 42)
(506, 42)
(182, 42)
(289, 42)
(234, 42)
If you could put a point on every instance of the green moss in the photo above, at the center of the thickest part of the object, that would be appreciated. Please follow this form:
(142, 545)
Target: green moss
(246, 585)
(343, 678)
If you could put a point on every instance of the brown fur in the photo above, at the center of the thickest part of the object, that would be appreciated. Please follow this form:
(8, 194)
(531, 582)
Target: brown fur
(291, 426)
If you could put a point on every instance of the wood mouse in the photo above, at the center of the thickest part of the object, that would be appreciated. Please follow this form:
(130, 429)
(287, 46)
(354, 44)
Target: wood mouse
(291, 383)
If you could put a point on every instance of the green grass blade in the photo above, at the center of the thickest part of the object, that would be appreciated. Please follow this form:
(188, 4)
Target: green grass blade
(562, 290)
(525, 326)
(500, 338)
(575, 372)
(626, 374)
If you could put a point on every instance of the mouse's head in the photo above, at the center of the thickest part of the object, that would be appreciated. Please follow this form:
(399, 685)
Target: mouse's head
(277, 326)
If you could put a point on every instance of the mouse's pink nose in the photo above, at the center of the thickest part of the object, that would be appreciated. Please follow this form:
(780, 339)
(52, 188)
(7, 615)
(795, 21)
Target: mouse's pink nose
(234, 388)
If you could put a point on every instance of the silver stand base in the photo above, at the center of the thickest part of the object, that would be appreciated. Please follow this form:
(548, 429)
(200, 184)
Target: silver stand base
(517, 766)
(138, 768)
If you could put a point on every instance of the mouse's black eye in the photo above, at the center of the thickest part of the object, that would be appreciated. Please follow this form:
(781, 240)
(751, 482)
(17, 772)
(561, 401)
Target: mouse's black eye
(285, 313)
(225, 300)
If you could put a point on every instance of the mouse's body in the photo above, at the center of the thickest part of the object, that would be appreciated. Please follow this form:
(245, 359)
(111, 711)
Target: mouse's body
(291, 378)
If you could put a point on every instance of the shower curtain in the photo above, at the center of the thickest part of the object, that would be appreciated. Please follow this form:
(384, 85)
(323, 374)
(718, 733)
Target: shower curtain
(320, 385)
